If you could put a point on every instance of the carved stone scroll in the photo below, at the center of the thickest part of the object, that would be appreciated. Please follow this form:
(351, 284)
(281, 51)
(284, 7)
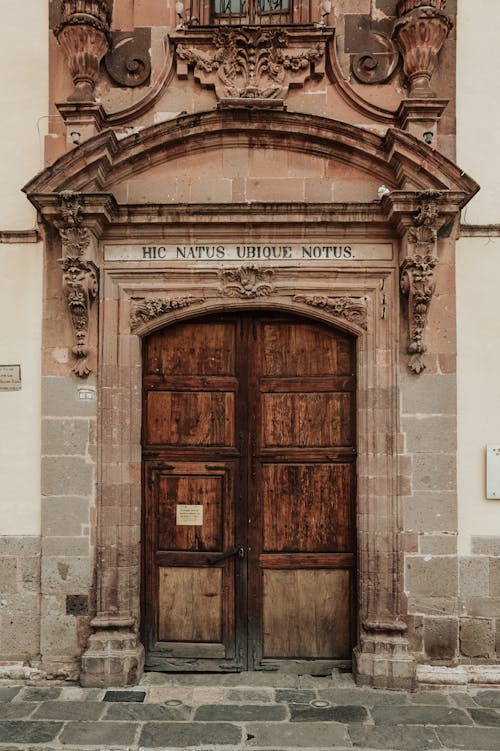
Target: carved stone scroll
(250, 63)
(83, 33)
(247, 282)
(417, 279)
(80, 288)
(128, 62)
(376, 65)
(353, 309)
(154, 307)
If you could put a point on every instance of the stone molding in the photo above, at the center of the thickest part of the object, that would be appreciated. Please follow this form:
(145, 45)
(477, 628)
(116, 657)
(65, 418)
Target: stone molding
(83, 34)
(251, 63)
(353, 309)
(417, 279)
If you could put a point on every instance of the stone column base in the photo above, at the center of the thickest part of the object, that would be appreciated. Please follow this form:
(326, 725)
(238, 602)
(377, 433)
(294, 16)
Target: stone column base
(113, 658)
(382, 661)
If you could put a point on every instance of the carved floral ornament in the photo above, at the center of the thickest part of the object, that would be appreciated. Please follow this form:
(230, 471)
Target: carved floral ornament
(250, 63)
(154, 307)
(417, 279)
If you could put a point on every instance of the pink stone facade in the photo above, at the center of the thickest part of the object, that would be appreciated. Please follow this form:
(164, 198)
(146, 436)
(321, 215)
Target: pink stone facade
(318, 155)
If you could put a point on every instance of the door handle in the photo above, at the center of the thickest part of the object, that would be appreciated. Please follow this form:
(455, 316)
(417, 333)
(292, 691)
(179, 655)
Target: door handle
(239, 552)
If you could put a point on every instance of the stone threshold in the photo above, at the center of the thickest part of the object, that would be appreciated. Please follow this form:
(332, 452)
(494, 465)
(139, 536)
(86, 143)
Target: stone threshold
(462, 675)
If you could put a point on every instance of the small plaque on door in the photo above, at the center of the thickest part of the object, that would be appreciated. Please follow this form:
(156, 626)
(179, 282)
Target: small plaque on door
(191, 515)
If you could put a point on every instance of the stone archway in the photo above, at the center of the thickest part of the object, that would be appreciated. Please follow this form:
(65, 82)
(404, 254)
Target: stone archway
(115, 654)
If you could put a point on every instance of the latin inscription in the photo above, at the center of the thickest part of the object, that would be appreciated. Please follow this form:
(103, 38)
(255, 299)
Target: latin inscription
(259, 252)
(10, 377)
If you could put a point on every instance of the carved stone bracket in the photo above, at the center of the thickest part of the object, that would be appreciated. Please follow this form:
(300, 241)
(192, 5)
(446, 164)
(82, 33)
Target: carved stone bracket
(80, 277)
(251, 63)
(247, 282)
(417, 279)
(83, 33)
(154, 307)
(420, 33)
(353, 309)
(80, 288)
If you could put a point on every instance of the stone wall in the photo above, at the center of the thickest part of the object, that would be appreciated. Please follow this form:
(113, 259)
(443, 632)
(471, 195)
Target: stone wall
(68, 517)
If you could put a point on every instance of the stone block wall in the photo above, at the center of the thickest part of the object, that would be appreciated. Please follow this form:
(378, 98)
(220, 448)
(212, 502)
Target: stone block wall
(19, 599)
(454, 600)
(68, 516)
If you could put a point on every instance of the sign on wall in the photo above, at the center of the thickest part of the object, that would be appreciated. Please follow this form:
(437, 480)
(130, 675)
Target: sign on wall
(10, 377)
(341, 251)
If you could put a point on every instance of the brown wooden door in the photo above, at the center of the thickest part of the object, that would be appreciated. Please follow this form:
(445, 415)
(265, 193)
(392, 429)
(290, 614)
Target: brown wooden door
(249, 477)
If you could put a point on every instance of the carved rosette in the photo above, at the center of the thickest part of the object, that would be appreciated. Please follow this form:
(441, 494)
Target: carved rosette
(353, 309)
(417, 277)
(250, 63)
(420, 33)
(247, 282)
(80, 289)
(83, 34)
(155, 307)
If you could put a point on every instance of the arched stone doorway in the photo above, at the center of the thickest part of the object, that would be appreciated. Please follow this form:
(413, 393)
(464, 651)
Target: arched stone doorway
(249, 451)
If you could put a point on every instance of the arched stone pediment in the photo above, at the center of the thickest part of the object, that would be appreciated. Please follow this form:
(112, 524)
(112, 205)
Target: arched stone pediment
(396, 159)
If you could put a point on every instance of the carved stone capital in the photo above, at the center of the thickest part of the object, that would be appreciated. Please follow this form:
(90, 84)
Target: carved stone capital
(155, 307)
(250, 63)
(420, 33)
(353, 309)
(83, 33)
(247, 282)
(80, 288)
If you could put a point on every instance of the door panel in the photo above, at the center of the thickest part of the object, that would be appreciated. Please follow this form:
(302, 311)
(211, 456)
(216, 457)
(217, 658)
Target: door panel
(249, 477)
(303, 614)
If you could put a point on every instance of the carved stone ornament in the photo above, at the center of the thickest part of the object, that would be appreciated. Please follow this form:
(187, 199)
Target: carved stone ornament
(420, 33)
(250, 63)
(376, 65)
(83, 33)
(417, 279)
(353, 309)
(154, 307)
(247, 282)
(80, 289)
(74, 236)
(128, 62)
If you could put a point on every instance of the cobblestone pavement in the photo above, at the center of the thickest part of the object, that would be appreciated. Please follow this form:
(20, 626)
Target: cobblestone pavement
(246, 711)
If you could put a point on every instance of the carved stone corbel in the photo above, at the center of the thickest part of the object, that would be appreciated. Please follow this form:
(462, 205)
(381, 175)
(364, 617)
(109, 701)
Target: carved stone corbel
(80, 288)
(417, 279)
(83, 33)
(80, 277)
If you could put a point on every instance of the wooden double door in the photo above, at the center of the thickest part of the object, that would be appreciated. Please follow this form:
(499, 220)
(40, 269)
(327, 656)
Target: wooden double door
(249, 478)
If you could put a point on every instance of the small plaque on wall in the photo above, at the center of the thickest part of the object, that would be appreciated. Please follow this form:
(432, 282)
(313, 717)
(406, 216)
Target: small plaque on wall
(10, 377)
(189, 515)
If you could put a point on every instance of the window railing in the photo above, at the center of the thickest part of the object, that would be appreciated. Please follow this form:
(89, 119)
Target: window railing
(248, 12)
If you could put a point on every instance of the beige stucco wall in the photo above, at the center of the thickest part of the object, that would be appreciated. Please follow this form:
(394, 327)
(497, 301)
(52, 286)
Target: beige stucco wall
(24, 66)
(478, 269)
